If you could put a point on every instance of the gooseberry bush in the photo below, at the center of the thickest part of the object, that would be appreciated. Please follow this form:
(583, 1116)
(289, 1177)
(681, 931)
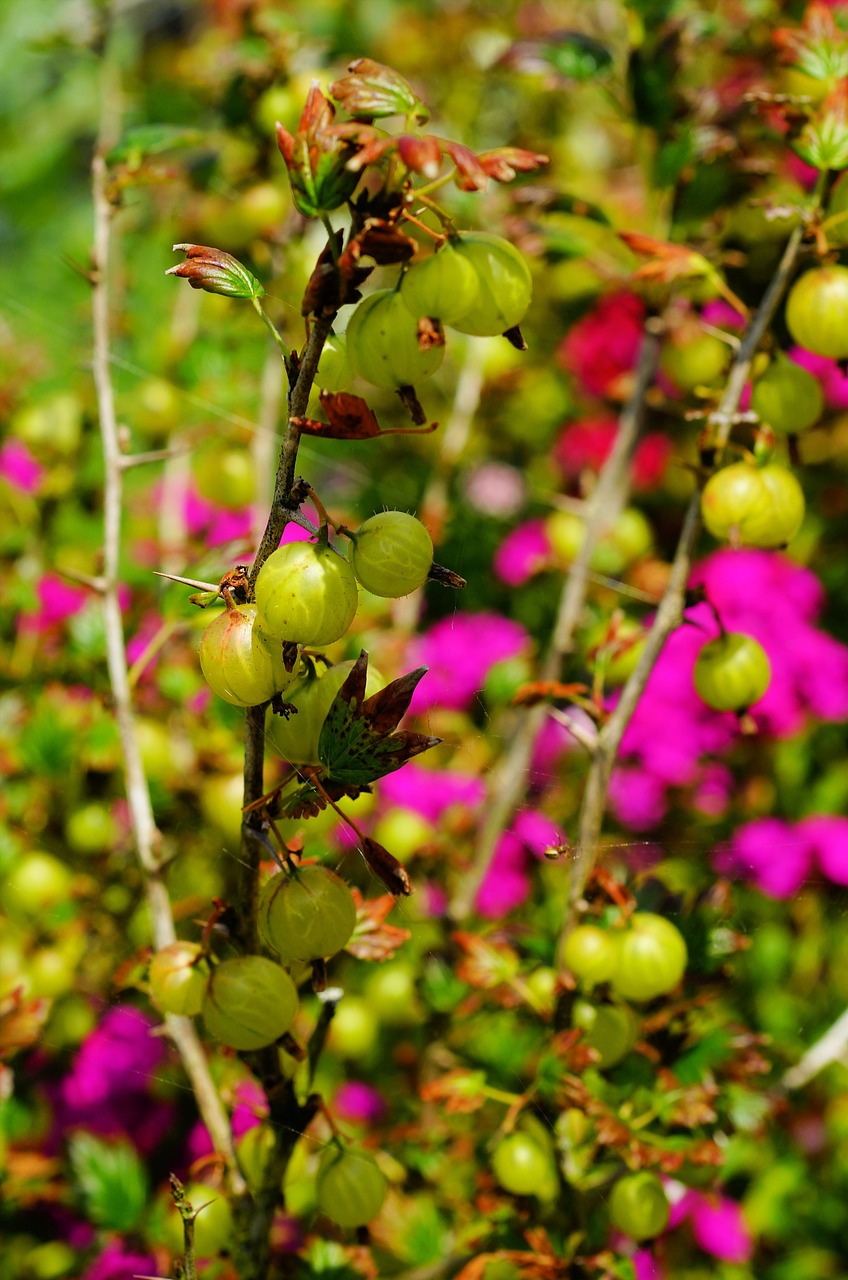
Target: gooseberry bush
(422, 849)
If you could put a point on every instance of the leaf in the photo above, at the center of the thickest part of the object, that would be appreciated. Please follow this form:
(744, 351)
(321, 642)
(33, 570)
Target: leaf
(350, 418)
(358, 744)
(112, 1181)
(462, 1091)
(21, 1022)
(386, 867)
(371, 90)
(373, 938)
(485, 964)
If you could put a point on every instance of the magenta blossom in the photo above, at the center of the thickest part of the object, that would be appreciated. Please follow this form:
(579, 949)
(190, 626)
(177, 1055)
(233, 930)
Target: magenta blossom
(430, 792)
(216, 525)
(601, 349)
(717, 1224)
(834, 382)
(115, 1264)
(523, 553)
(508, 881)
(459, 651)
(778, 856)
(356, 1100)
(585, 446)
(19, 467)
(58, 601)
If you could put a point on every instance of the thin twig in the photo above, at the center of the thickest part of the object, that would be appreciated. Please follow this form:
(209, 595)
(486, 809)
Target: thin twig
(145, 835)
(670, 612)
(829, 1048)
(508, 781)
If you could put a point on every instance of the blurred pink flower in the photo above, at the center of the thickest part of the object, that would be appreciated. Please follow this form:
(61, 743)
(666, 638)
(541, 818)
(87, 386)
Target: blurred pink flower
(775, 856)
(827, 836)
(495, 488)
(719, 1229)
(722, 315)
(19, 467)
(459, 650)
(834, 381)
(602, 348)
(646, 1266)
(507, 882)
(522, 553)
(58, 600)
(116, 1264)
(585, 446)
(430, 791)
(214, 524)
(356, 1100)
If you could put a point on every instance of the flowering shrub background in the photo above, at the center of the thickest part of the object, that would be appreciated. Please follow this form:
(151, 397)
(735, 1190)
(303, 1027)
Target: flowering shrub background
(740, 837)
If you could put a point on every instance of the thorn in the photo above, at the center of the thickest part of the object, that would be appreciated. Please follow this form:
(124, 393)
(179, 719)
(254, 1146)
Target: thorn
(189, 582)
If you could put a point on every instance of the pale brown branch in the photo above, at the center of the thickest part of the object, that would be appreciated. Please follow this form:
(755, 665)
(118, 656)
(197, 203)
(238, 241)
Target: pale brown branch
(145, 835)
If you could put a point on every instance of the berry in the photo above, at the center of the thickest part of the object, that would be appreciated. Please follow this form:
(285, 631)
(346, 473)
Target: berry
(755, 506)
(354, 1029)
(639, 1206)
(391, 554)
(504, 284)
(591, 953)
(239, 663)
(732, 672)
(226, 477)
(91, 829)
(787, 398)
(444, 286)
(306, 592)
(817, 311)
(610, 1029)
(651, 958)
(249, 1003)
(334, 368)
(307, 915)
(693, 358)
(349, 1187)
(178, 977)
(521, 1165)
(383, 346)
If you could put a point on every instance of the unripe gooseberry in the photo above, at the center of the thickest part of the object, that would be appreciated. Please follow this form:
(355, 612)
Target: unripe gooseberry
(383, 345)
(349, 1187)
(817, 311)
(226, 477)
(296, 738)
(522, 1166)
(306, 592)
(611, 1029)
(504, 284)
(239, 663)
(591, 953)
(444, 286)
(787, 397)
(307, 915)
(639, 1206)
(249, 1003)
(178, 977)
(756, 506)
(732, 672)
(334, 368)
(651, 958)
(391, 554)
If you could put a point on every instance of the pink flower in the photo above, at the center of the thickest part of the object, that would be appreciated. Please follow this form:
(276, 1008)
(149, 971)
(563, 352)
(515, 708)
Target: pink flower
(214, 524)
(721, 315)
(114, 1264)
(356, 1100)
(833, 381)
(522, 553)
(585, 446)
(646, 1266)
(602, 348)
(827, 836)
(536, 832)
(773, 855)
(459, 650)
(495, 489)
(58, 600)
(19, 467)
(507, 883)
(430, 792)
(719, 1229)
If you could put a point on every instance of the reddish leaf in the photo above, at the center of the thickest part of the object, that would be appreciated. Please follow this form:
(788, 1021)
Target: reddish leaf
(503, 163)
(373, 938)
(548, 691)
(386, 868)
(383, 242)
(485, 964)
(349, 418)
(421, 155)
(462, 1091)
(471, 174)
(370, 90)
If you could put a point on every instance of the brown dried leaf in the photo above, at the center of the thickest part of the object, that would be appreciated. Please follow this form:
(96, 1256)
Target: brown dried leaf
(386, 867)
(485, 963)
(373, 938)
(462, 1091)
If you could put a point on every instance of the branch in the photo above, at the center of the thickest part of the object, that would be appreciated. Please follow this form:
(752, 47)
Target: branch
(670, 612)
(829, 1048)
(145, 835)
(508, 781)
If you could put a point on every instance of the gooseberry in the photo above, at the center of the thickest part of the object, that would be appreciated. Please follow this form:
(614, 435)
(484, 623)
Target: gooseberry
(639, 1206)
(504, 284)
(611, 1029)
(756, 506)
(334, 368)
(306, 915)
(306, 592)
(732, 672)
(383, 345)
(226, 477)
(350, 1187)
(391, 554)
(443, 286)
(249, 1003)
(651, 958)
(787, 397)
(178, 977)
(591, 953)
(817, 311)
(521, 1165)
(296, 738)
(239, 663)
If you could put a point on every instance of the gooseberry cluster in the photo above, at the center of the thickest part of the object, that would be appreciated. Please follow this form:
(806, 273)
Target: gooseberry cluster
(475, 282)
(307, 594)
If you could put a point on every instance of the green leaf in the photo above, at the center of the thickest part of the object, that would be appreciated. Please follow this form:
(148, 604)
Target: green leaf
(111, 1179)
(576, 56)
(711, 1051)
(358, 742)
